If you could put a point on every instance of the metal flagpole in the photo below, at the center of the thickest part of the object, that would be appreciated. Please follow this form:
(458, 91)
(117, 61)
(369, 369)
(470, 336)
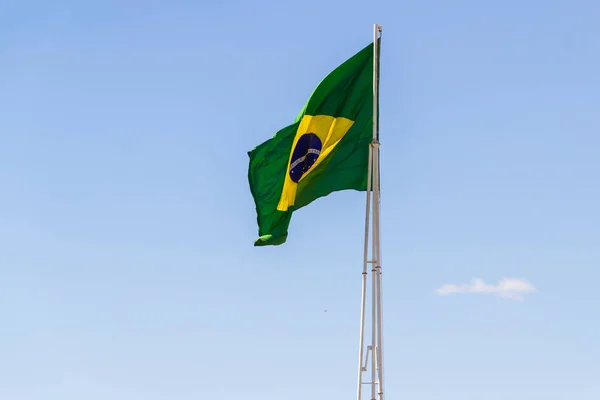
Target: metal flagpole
(376, 214)
(375, 349)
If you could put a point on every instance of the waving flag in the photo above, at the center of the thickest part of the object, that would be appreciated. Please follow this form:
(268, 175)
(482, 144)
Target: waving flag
(324, 150)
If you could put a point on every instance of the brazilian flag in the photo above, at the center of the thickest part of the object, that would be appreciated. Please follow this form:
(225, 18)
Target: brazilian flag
(326, 149)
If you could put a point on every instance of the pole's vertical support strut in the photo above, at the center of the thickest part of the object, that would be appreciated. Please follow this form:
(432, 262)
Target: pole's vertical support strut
(375, 346)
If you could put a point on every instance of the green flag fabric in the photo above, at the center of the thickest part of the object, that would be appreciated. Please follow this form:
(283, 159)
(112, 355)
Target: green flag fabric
(324, 150)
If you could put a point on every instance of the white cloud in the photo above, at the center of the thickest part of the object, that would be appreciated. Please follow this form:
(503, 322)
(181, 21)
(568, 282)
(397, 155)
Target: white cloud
(513, 289)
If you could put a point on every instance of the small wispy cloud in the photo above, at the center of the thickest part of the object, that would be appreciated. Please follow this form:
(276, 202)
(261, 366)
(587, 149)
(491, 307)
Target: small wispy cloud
(513, 289)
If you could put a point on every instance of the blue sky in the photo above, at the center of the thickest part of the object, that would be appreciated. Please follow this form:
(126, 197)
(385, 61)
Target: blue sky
(127, 269)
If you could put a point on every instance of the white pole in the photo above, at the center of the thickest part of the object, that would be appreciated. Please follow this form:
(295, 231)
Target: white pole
(377, 317)
(373, 304)
(364, 281)
(372, 206)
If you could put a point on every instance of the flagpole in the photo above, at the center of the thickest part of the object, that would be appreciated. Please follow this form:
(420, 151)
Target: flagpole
(377, 300)
(375, 348)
